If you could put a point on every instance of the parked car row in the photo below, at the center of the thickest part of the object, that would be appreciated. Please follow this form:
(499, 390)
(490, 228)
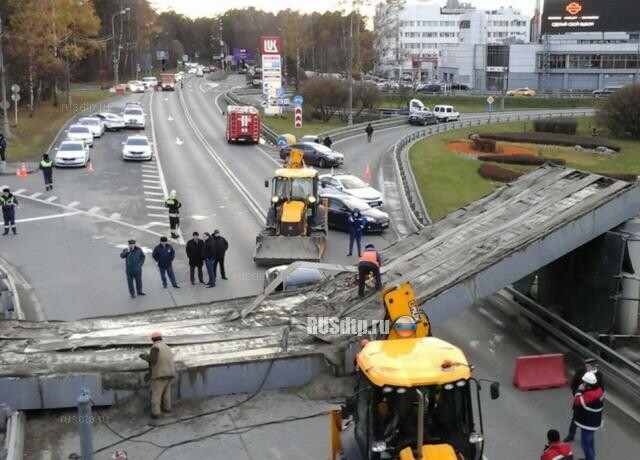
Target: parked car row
(74, 151)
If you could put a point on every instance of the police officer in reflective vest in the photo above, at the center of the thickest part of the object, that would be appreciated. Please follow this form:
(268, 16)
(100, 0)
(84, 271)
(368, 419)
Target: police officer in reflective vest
(9, 204)
(174, 213)
(46, 165)
(369, 263)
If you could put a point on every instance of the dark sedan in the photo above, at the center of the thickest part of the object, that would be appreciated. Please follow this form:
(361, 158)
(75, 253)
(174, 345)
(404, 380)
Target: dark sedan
(423, 117)
(315, 154)
(341, 206)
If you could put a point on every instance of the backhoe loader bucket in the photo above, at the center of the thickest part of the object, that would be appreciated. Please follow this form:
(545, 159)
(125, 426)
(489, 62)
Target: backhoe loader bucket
(282, 250)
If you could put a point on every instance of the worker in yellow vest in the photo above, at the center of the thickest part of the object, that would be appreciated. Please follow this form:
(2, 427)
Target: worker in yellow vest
(46, 165)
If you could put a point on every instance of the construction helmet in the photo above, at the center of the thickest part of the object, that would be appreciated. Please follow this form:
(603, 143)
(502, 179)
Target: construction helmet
(590, 378)
(156, 335)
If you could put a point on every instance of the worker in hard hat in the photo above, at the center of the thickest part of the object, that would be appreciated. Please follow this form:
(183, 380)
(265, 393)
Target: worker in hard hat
(162, 371)
(370, 262)
(174, 213)
(588, 403)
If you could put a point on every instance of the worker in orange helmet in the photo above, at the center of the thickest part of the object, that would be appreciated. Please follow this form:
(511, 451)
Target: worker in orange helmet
(162, 372)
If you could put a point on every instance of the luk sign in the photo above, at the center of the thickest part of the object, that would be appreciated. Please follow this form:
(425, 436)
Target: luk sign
(270, 45)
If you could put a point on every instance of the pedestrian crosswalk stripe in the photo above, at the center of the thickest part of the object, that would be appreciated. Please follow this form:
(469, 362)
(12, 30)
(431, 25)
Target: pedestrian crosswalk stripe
(155, 176)
(150, 181)
(73, 204)
(19, 191)
(154, 193)
(115, 216)
(152, 186)
(154, 200)
(155, 207)
(94, 210)
(156, 215)
(35, 195)
(51, 198)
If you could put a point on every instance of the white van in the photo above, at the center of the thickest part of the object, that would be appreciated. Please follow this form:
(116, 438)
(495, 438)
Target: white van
(446, 113)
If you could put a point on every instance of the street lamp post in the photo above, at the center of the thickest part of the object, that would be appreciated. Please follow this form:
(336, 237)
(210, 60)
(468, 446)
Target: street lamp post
(116, 48)
(5, 105)
(350, 69)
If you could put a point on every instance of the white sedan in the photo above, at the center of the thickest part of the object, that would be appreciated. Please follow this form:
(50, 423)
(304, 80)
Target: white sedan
(80, 133)
(72, 153)
(352, 185)
(94, 124)
(111, 121)
(137, 148)
(134, 117)
(135, 86)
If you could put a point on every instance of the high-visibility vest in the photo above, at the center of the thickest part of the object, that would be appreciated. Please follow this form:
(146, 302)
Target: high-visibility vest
(46, 164)
(370, 257)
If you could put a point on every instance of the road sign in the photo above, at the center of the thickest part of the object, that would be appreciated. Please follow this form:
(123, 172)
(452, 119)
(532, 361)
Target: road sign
(490, 100)
(5, 104)
(282, 142)
(490, 108)
(298, 100)
(15, 97)
(15, 89)
(297, 117)
(280, 92)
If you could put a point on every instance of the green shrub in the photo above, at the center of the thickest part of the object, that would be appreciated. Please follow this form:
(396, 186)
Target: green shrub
(556, 125)
(620, 114)
(526, 160)
(497, 174)
(553, 139)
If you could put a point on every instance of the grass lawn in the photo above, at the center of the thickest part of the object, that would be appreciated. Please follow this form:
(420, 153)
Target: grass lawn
(466, 104)
(449, 181)
(30, 139)
(285, 125)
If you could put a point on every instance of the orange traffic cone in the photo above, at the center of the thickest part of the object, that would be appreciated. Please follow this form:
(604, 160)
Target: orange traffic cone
(367, 174)
(22, 172)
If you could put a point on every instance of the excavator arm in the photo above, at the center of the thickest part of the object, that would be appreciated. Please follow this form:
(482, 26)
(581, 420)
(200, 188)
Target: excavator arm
(400, 302)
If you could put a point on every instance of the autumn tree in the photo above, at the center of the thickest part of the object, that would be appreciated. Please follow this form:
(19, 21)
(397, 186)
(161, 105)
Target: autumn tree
(325, 96)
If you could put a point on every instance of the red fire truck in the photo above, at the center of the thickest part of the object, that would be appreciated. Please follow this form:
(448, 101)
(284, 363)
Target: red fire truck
(243, 124)
(167, 82)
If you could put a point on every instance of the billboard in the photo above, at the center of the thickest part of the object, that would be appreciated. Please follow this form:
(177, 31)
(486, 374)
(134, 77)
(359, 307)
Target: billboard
(270, 45)
(563, 16)
(242, 54)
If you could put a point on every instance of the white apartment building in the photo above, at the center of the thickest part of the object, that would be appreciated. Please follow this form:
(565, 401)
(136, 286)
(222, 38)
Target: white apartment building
(422, 28)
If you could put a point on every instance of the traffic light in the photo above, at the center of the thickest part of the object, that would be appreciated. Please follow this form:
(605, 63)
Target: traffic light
(297, 116)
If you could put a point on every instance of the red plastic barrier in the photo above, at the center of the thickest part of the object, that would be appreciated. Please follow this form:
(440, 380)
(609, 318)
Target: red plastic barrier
(539, 372)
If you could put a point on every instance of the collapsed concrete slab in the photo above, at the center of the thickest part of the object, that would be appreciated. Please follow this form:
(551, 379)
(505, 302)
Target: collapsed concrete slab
(472, 253)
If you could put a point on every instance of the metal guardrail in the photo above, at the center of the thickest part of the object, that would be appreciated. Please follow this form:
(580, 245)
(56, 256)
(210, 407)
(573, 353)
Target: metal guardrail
(401, 150)
(14, 437)
(9, 299)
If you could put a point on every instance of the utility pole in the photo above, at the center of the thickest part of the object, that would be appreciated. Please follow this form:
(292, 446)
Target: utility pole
(5, 105)
(350, 69)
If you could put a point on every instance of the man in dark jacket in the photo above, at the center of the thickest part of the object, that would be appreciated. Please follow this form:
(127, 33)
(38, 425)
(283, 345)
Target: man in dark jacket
(220, 246)
(369, 131)
(370, 262)
(588, 403)
(164, 254)
(9, 203)
(209, 256)
(356, 224)
(195, 254)
(327, 142)
(590, 365)
(134, 259)
(46, 165)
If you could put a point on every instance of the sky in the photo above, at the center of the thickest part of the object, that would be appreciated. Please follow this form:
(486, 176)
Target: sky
(198, 8)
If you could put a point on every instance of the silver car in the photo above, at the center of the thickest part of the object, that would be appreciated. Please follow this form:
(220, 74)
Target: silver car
(80, 133)
(94, 124)
(351, 185)
(137, 148)
(72, 154)
(298, 278)
(111, 121)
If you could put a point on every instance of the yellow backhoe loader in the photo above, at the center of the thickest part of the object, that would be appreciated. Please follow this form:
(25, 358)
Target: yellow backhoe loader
(296, 227)
(414, 395)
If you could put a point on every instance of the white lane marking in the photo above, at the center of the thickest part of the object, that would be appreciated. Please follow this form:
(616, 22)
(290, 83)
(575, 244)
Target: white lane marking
(155, 187)
(115, 216)
(156, 224)
(163, 182)
(156, 207)
(21, 190)
(54, 216)
(178, 141)
(51, 198)
(2, 187)
(97, 216)
(170, 118)
(35, 195)
(249, 200)
(156, 215)
(150, 181)
(94, 210)
(155, 176)
(147, 192)
(155, 200)
(218, 103)
(269, 156)
(73, 204)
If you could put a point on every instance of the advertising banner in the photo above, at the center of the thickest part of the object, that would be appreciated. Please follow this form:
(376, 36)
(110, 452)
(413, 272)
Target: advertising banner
(242, 54)
(562, 16)
(272, 83)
